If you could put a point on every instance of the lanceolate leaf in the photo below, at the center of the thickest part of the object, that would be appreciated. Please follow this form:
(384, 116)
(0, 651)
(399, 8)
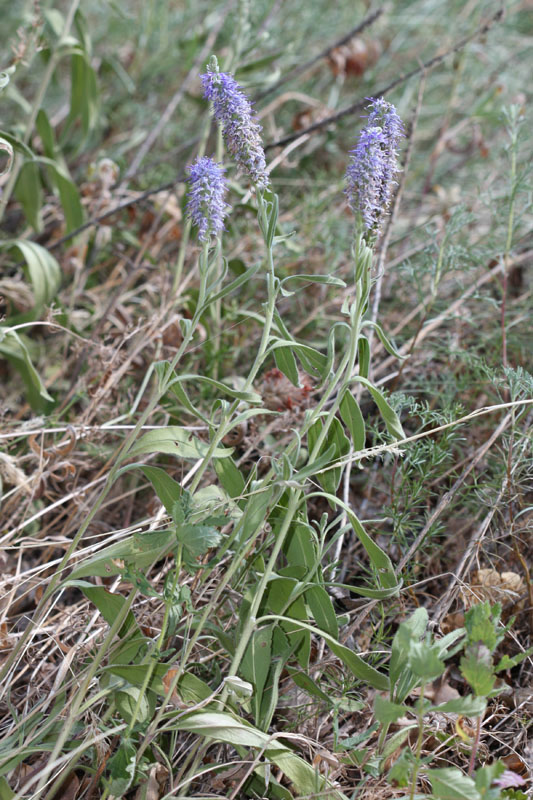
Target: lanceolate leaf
(390, 417)
(174, 441)
(227, 728)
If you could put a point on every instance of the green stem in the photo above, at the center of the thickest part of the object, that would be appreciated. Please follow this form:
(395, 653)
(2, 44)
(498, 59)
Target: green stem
(419, 742)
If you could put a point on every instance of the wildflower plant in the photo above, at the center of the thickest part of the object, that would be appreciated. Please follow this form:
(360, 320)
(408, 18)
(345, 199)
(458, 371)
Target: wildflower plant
(248, 531)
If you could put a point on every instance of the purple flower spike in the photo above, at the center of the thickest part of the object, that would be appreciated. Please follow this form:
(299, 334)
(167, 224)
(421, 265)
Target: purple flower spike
(374, 163)
(241, 131)
(205, 200)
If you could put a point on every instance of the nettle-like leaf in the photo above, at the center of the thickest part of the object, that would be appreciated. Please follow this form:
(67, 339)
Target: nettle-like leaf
(477, 669)
(482, 624)
(449, 783)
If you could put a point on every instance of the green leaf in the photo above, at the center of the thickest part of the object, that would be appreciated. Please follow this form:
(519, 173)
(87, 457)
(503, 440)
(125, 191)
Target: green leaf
(402, 769)
(508, 662)
(359, 668)
(231, 478)
(43, 269)
(353, 419)
(227, 728)
(122, 768)
(286, 362)
(17, 144)
(390, 417)
(29, 193)
(387, 712)
(83, 92)
(6, 793)
(382, 336)
(167, 489)
(197, 539)
(303, 681)
(13, 348)
(449, 783)
(477, 669)
(364, 356)
(408, 632)
(138, 549)
(68, 194)
(174, 441)
(468, 706)
(424, 660)
(135, 674)
(126, 700)
(321, 608)
(109, 605)
(256, 664)
(336, 438)
(481, 623)
(328, 280)
(246, 397)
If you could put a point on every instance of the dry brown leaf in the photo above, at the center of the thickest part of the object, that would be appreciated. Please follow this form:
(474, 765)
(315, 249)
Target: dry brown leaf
(489, 584)
(153, 789)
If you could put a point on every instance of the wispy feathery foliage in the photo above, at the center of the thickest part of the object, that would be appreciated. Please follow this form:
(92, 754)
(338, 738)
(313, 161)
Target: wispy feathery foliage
(373, 164)
(241, 131)
(205, 200)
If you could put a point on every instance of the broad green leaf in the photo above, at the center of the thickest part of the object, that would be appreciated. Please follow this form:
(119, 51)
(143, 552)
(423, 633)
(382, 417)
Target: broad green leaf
(336, 438)
(122, 768)
(408, 632)
(300, 547)
(359, 668)
(482, 624)
(390, 417)
(126, 700)
(174, 441)
(286, 362)
(402, 769)
(387, 712)
(83, 92)
(197, 539)
(139, 549)
(135, 674)
(13, 348)
(449, 783)
(167, 489)
(256, 664)
(108, 604)
(6, 793)
(231, 478)
(321, 608)
(424, 661)
(477, 669)
(468, 706)
(353, 419)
